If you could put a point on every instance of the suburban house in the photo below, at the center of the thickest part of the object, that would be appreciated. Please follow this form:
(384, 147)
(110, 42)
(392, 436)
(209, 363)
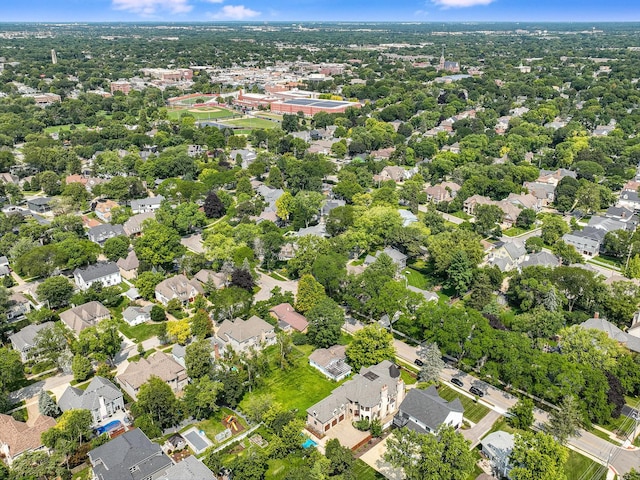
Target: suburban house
(39, 205)
(84, 316)
(288, 318)
(424, 411)
(497, 447)
(553, 177)
(586, 241)
(397, 174)
(542, 259)
(18, 307)
(189, 469)
(134, 315)
(627, 340)
(507, 255)
(158, 364)
(146, 205)
(24, 340)
(133, 226)
(470, 204)
(17, 437)
(217, 279)
(180, 287)
(102, 398)
(629, 199)
(130, 456)
(270, 195)
(375, 394)
(195, 150)
(101, 233)
(442, 192)
(428, 295)
(331, 362)
(129, 266)
(106, 273)
(399, 258)
(544, 192)
(103, 209)
(240, 335)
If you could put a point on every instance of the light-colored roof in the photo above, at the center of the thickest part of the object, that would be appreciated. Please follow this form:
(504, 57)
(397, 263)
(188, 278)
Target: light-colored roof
(613, 332)
(179, 286)
(242, 330)
(131, 313)
(19, 436)
(26, 336)
(134, 224)
(287, 314)
(499, 444)
(84, 316)
(89, 399)
(428, 407)
(129, 263)
(159, 364)
(204, 276)
(189, 469)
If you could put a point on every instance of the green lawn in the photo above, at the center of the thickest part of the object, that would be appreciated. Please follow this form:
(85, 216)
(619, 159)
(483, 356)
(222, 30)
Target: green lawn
(252, 123)
(472, 410)
(213, 425)
(273, 116)
(578, 466)
(362, 471)
(84, 474)
(407, 378)
(279, 468)
(515, 231)
(139, 333)
(416, 279)
(298, 388)
(606, 260)
(58, 128)
(202, 114)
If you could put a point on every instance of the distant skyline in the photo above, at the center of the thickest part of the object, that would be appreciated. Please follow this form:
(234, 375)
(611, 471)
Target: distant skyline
(319, 10)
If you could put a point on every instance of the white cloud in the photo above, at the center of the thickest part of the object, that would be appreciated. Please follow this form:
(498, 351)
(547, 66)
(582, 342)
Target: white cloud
(151, 7)
(214, 1)
(234, 12)
(461, 3)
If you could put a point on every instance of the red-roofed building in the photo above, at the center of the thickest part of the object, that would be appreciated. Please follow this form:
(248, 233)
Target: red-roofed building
(288, 318)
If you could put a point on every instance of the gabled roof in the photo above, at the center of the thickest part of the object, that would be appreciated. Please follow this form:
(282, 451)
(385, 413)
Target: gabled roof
(134, 224)
(105, 231)
(613, 332)
(159, 364)
(89, 399)
(515, 249)
(19, 436)
(499, 444)
(242, 330)
(129, 263)
(428, 407)
(179, 286)
(84, 316)
(544, 259)
(115, 459)
(287, 314)
(97, 271)
(189, 469)
(146, 202)
(26, 336)
(131, 313)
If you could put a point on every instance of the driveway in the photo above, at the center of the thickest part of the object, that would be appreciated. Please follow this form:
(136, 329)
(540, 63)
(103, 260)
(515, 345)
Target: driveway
(267, 283)
(475, 433)
(373, 458)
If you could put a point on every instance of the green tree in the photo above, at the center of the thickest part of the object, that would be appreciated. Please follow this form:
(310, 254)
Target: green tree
(116, 247)
(445, 456)
(55, 290)
(488, 219)
(159, 244)
(198, 360)
(567, 253)
(526, 218)
(370, 346)
(565, 421)
(432, 363)
(146, 284)
(460, 272)
(11, 367)
(589, 346)
(81, 368)
(158, 314)
(553, 227)
(156, 399)
(539, 322)
(521, 414)
(310, 292)
(73, 425)
(341, 458)
(443, 246)
(325, 321)
(46, 405)
(330, 270)
(201, 324)
(537, 456)
(201, 396)
(51, 345)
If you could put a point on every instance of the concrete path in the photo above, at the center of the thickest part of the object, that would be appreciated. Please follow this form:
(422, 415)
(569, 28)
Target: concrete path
(267, 283)
(373, 458)
(475, 433)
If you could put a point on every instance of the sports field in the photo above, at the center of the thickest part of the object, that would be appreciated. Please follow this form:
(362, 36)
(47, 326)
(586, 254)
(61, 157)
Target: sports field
(200, 113)
(251, 123)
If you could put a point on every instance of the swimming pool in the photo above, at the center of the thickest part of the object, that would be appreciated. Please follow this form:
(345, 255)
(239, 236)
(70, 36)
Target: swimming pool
(108, 427)
(308, 443)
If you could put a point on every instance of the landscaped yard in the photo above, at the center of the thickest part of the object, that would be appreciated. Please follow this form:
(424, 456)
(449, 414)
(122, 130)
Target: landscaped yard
(139, 333)
(362, 471)
(297, 388)
(252, 123)
(515, 231)
(578, 466)
(416, 279)
(213, 425)
(279, 468)
(472, 410)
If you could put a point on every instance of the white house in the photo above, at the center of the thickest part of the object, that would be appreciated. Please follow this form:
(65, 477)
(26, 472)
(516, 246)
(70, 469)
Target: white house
(497, 447)
(331, 362)
(424, 411)
(106, 273)
(137, 315)
(146, 205)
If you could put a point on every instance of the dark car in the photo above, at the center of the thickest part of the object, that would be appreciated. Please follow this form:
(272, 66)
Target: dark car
(476, 391)
(457, 382)
(418, 362)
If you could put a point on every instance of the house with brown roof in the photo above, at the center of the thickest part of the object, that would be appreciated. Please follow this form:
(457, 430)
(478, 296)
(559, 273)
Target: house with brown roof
(103, 210)
(288, 318)
(217, 279)
(397, 174)
(442, 192)
(159, 365)
(129, 266)
(241, 335)
(331, 362)
(180, 287)
(17, 437)
(85, 316)
(470, 204)
(133, 226)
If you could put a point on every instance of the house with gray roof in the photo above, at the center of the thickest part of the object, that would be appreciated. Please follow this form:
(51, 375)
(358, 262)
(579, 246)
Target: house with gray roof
(146, 205)
(101, 233)
(247, 157)
(84, 316)
(39, 205)
(544, 192)
(102, 398)
(426, 294)
(188, 469)
(586, 241)
(241, 335)
(106, 273)
(631, 342)
(179, 287)
(541, 259)
(497, 447)
(135, 315)
(24, 340)
(159, 364)
(331, 362)
(424, 411)
(129, 266)
(507, 255)
(18, 307)
(399, 258)
(270, 195)
(133, 226)
(629, 199)
(130, 456)
(331, 204)
(375, 394)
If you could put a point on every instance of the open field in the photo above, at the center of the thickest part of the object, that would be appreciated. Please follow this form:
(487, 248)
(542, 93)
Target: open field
(200, 113)
(139, 333)
(251, 123)
(59, 128)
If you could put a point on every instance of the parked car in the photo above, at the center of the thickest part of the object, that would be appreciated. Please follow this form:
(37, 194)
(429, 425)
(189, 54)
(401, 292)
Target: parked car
(476, 391)
(457, 382)
(418, 362)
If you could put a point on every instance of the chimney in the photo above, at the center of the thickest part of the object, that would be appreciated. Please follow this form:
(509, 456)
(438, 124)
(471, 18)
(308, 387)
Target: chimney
(596, 315)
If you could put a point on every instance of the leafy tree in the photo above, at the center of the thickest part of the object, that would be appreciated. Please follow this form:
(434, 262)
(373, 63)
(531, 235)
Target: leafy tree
(11, 367)
(147, 282)
(565, 421)
(443, 246)
(73, 425)
(249, 467)
(330, 270)
(275, 179)
(241, 277)
(633, 474)
(285, 349)
(50, 344)
(179, 330)
(567, 253)
(158, 314)
(198, 359)
(370, 346)
(213, 206)
(488, 218)
(159, 244)
(445, 456)
(81, 368)
(36, 465)
(156, 399)
(325, 321)
(341, 458)
(116, 247)
(201, 324)
(55, 290)
(537, 455)
(310, 292)
(460, 272)
(46, 405)
(432, 363)
(539, 323)
(589, 346)
(200, 397)
(534, 244)
(521, 414)
(553, 227)
(101, 342)
(526, 218)
(146, 423)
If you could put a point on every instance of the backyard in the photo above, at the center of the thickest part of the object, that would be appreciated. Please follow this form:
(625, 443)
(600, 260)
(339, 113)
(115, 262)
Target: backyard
(213, 425)
(472, 410)
(139, 333)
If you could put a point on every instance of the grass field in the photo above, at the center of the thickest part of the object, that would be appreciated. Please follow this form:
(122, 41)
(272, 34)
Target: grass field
(273, 116)
(416, 279)
(279, 468)
(578, 466)
(212, 426)
(472, 410)
(139, 333)
(252, 123)
(206, 113)
(297, 388)
(59, 128)
(515, 231)
(362, 471)
(191, 101)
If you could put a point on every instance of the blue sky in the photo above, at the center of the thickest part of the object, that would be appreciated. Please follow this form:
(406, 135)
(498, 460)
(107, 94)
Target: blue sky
(307, 10)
